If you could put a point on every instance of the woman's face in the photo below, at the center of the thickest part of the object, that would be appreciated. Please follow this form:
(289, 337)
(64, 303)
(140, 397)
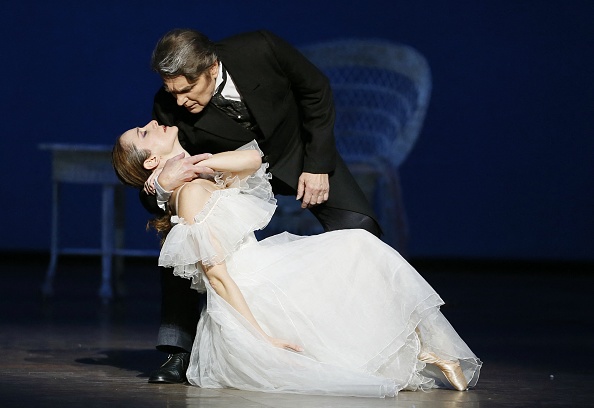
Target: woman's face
(160, 140)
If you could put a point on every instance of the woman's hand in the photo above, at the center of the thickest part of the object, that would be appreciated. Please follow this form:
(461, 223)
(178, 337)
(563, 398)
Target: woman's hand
(280, 343)
(149, 184)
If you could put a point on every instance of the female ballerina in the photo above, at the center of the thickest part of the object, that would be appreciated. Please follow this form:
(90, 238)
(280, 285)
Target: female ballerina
(339, 313)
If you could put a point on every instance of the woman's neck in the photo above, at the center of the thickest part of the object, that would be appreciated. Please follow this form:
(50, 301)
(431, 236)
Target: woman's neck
(177, 149)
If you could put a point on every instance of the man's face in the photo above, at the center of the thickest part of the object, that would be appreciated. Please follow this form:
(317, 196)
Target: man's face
(194, 96)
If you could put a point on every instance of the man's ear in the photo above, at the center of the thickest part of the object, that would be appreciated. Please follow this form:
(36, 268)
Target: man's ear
(214, 69)
(152, 162)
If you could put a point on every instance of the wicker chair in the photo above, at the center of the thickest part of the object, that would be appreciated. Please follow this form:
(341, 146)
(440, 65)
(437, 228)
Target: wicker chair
(381, 93)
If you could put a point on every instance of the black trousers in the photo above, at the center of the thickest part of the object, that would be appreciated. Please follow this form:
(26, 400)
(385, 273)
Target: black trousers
(181, 306)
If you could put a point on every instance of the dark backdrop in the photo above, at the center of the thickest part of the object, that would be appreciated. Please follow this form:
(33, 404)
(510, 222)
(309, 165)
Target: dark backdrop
(504, 168)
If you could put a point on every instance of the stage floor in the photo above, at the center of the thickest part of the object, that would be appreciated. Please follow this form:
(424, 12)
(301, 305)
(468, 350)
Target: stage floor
(530, 325)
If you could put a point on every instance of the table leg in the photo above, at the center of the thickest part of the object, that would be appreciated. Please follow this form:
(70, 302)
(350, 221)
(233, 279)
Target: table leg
(47, 289)
(107, 244)
(119, 240)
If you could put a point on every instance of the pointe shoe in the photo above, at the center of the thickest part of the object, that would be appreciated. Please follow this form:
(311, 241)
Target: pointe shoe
(451, 369)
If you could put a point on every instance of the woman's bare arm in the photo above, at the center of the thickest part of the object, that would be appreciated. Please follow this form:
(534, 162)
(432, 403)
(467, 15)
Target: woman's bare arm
(225, 286)
(239, 162)
(191, 201)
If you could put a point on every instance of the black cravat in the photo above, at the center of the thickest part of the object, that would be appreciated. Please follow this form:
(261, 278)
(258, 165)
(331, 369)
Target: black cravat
(235, 109)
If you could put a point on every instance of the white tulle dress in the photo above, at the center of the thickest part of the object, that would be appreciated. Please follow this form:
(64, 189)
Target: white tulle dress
(361, 313)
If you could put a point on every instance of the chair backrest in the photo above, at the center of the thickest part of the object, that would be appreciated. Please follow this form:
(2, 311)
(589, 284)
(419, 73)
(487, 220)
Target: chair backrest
(381, 93)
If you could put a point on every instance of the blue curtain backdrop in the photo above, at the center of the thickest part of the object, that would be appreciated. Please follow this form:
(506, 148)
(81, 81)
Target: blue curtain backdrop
(504, 167)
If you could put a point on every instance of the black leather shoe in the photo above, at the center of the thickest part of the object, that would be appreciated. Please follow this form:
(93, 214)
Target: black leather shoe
(173, 371)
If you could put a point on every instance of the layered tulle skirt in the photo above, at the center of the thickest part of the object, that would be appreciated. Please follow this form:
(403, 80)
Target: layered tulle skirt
(361, 313)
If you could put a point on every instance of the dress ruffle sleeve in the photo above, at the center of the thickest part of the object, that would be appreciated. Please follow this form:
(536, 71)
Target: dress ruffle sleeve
(231, 214)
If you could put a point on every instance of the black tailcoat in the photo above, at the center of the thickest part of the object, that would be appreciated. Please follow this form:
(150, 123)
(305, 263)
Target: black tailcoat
(291, 102)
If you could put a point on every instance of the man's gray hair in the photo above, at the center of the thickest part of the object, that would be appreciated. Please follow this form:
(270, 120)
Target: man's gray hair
(183, 52)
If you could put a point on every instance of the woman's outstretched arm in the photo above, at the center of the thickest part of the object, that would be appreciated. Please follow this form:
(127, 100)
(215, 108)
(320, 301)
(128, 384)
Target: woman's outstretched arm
(191, 201)
(225, 286)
